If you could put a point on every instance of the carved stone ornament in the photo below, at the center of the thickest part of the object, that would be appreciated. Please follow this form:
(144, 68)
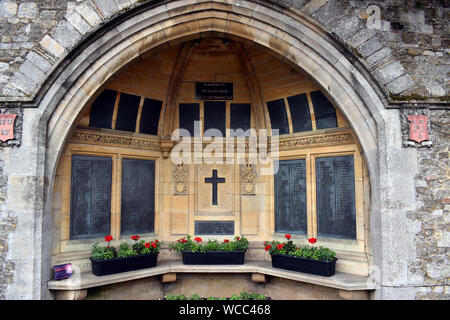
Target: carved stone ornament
(418, 131)
(247, 177)
(180, 176)
(10, 127)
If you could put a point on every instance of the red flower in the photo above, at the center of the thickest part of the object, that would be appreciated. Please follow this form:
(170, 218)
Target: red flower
(268, 247)
(136, 237)
(226, 240)
(288, 236)
(183, 240)
(154, 244)
(108, 238)
(156, 240)
(198, 239)
(280, 246)
(312, 240)
(238, 238)
(147, 245)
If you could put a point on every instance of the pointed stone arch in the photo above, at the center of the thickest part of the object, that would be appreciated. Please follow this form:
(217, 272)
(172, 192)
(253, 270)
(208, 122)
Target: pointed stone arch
(290, 35)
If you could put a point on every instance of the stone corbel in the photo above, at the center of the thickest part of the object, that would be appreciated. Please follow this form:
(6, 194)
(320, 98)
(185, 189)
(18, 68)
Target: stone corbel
(166, 145)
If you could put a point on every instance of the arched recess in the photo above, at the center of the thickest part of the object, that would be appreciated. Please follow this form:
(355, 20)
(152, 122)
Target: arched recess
(290, 35)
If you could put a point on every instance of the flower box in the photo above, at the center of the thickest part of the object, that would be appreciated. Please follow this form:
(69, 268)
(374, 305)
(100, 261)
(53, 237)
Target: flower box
(316, 267)
(117, 265)
(109, 260)
(213, 257)
(196, 251)
(320, 261)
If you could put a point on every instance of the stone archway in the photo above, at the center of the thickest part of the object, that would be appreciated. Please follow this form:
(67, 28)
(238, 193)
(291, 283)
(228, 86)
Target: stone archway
(306, 46)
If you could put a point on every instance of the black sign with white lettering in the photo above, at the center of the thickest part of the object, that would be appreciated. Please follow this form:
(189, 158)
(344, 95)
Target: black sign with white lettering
(214, 227)
(214, 90)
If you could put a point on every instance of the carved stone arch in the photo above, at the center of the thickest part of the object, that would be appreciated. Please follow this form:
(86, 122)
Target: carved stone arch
(288, 34)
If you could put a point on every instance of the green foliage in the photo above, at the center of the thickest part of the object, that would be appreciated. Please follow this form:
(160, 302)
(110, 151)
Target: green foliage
(240, 243)
(242, 296)
(320, 253)
(102, 253)
(125, 250)
(306, 251)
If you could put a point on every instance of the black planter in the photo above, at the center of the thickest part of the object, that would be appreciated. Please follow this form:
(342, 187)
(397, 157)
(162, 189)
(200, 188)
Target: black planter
(213, 257)
(317, 267)
(116, 265)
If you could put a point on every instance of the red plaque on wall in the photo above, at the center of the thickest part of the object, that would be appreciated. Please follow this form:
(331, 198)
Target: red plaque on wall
(418, 128)
(7, 126)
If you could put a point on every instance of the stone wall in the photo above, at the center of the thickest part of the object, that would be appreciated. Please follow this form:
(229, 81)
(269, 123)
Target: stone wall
(432, 209)
(408, 56)
(220, 285)
(407, 52)
(8, 224)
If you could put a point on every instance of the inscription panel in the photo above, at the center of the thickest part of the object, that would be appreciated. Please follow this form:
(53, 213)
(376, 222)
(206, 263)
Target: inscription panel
(138, 196)
(290, 197)
(214, 227)
(336, 211)
(90, 208)
(214, 90)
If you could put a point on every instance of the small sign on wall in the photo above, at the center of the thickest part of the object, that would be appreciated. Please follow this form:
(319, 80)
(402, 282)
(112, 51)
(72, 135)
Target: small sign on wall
(418, 131)
(7, 126)
(62, 271)
(214, 90)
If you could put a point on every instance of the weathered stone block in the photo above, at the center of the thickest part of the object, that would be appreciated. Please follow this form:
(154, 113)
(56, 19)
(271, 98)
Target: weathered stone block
(28, 10)
(390, 72)
(52, 46)
(8, 9)
(107, 7)
(400, 84)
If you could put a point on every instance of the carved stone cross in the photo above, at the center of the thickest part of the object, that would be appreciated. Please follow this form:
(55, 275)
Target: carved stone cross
(214, 180)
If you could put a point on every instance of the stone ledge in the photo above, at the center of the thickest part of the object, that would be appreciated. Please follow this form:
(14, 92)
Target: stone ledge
(85, 280)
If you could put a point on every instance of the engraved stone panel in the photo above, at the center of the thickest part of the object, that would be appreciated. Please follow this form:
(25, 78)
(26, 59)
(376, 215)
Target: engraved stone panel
(336, 212)
(214, 227)
(204, 194)
(290, 197)
(90, 210)
(138, 196)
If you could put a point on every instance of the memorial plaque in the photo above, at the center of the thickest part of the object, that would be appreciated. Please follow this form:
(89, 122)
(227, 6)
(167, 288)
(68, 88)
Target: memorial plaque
(240, 116)
(90, 203)
(290, 197)
(214, 116)
(278, 116)
(102, 110)
(138, 196)
(188, 114)
(301, 118)
(336, 211)
(214, 91)
(214, 227)
(324, 111)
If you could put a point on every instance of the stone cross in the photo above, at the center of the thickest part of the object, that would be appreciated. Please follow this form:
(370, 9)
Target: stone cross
(214, 180)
